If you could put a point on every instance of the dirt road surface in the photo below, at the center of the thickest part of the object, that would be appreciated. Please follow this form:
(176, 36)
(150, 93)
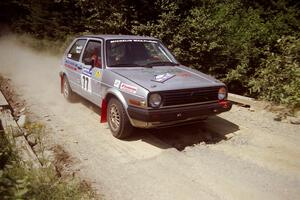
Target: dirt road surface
(260, 161)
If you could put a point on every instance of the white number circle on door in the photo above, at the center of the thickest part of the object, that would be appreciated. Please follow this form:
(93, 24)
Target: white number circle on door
(86, 83)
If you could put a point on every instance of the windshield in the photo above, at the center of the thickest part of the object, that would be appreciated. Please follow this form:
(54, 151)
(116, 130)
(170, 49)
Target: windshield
(137, 53)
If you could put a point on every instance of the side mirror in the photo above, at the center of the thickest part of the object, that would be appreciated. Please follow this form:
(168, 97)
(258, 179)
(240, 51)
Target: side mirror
(92, 63)
(89, 61)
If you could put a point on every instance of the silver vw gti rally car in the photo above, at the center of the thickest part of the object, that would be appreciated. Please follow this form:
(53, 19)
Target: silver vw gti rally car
(137, 82)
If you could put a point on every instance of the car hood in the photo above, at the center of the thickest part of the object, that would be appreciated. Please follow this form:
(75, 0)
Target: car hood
(178, 77)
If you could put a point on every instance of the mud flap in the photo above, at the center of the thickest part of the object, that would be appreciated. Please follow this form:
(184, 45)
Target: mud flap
(61, 81)
(103, 118)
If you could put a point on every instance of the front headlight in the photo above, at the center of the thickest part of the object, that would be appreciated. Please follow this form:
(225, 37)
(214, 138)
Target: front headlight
(155, 100)
(222, 93)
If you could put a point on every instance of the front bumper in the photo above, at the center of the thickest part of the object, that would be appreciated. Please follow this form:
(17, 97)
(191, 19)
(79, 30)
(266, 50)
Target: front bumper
(144, 118)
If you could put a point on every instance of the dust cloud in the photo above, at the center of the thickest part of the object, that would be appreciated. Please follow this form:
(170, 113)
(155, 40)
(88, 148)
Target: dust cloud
(32, 71)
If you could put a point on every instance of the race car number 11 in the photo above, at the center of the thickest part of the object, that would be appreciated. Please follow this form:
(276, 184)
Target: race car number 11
(86, 83)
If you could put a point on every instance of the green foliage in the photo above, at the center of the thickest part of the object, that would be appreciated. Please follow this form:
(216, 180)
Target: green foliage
(6, 151)
(278, 77)
(165, 27)
(17, 182)
(49, 19)
(20, 182)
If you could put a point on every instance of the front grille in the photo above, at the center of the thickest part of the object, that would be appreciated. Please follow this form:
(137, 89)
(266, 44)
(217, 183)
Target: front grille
(199, 95)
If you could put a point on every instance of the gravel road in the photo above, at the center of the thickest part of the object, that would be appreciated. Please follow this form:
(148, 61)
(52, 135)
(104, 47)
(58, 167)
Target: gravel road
(261, 160)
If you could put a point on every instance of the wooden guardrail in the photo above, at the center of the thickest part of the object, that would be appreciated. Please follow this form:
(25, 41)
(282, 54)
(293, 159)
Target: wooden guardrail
(3, 102)
(245, 101)
(240, 99)
(14, 132)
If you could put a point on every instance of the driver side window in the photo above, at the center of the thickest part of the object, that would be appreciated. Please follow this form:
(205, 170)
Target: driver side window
(92, 54)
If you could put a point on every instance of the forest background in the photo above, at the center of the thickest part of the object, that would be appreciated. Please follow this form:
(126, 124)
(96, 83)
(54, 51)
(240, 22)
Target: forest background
(251, 45)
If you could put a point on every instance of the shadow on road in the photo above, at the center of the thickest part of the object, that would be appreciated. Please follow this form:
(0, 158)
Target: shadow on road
(210, 131)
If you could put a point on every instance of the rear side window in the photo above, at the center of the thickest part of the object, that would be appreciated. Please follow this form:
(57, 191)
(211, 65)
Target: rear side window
(76, 50)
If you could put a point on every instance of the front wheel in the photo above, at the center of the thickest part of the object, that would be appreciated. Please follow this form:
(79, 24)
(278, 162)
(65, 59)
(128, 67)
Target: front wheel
(118, 121)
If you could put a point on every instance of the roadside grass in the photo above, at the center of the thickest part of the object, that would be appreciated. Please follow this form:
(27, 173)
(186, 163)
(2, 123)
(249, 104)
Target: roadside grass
(35, 133)
(20, 181)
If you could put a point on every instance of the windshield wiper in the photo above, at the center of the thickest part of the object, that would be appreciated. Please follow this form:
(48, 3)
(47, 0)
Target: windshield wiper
(125, 65)
(162, 63)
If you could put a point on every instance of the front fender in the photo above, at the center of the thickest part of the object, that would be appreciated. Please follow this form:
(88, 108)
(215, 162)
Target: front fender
(112, 92)
(117, 94)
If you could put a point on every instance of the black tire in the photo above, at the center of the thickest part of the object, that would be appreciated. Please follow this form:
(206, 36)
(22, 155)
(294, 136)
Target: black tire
(118, 121)
(67, 91)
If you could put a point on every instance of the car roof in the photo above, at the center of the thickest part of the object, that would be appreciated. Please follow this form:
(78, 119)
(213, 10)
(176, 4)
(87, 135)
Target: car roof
(121, 37)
